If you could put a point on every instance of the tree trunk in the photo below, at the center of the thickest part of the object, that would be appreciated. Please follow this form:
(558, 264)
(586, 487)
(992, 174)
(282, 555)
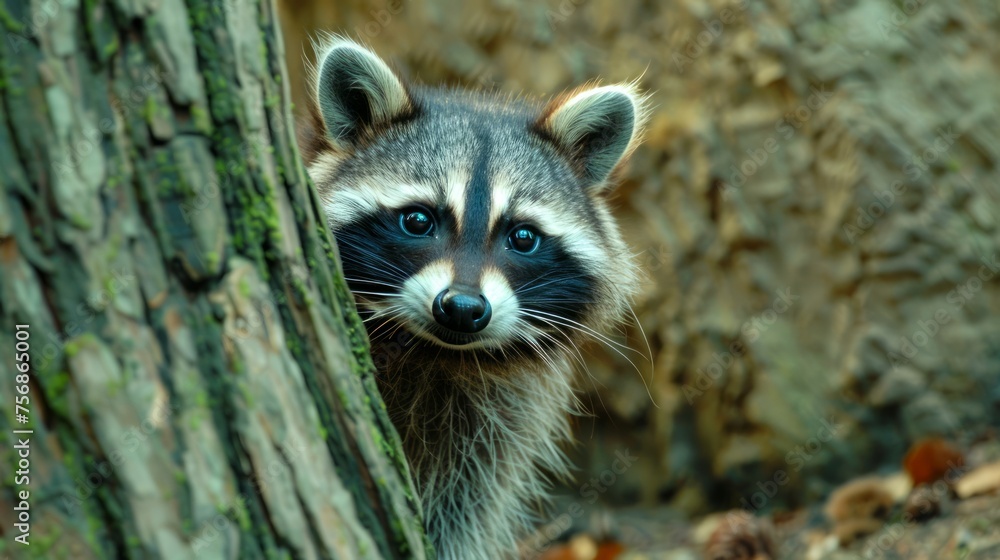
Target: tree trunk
(199, 382)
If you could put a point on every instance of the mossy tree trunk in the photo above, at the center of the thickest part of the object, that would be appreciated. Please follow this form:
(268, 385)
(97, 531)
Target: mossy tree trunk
(200, 383)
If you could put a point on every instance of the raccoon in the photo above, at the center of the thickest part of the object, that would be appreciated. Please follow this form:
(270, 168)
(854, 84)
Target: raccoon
(474, 231)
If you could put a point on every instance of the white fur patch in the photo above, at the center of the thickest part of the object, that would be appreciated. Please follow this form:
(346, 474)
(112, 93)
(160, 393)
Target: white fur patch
(500, 200)
(580, 240)
(455, 196)
(504, 325)
(349, 203)
(345, 205)
(419, 290)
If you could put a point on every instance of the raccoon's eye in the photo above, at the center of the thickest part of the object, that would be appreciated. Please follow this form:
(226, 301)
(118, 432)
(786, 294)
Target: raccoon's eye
(416, 222)
(524, 240)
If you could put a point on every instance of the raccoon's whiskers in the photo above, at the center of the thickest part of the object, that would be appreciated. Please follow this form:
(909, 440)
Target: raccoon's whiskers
(399, 326)
(528, 287)
(577, 355)
(398, 273)
(395, 309)
(364, 252)
(538, 349)
(389, 315)
(382, 272)
(535, 279)
(376, 337)
(572, 350)
(381, 294)
(554, 320)
(652, 362)
(369, 281)
(580, 327)
(531, 286)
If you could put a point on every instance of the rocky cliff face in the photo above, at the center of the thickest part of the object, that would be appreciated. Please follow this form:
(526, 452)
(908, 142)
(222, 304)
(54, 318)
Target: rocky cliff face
(816, 206)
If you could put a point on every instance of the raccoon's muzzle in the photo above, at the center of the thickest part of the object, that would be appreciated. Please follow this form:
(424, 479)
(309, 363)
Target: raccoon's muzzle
(461, 312)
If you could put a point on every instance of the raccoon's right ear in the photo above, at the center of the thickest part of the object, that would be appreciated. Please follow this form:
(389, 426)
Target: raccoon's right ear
(356, 92)
(597, 128)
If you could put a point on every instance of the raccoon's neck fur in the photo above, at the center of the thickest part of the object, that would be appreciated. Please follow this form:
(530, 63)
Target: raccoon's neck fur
(478, 431)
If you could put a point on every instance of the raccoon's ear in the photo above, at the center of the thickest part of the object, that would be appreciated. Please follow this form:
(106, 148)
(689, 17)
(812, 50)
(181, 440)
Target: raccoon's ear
(356, 92)
(596, 127)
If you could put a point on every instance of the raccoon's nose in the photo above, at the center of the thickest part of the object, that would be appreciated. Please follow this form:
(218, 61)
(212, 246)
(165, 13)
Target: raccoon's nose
(461, 312)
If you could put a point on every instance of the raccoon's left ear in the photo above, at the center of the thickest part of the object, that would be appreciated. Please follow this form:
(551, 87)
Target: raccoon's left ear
(597, 128)
(356, 92)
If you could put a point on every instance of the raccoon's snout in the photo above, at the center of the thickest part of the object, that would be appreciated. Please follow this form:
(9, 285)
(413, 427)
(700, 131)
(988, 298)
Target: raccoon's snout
(462, 312)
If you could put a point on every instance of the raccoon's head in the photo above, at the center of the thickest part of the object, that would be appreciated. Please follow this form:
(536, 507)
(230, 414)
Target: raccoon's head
(470, 220)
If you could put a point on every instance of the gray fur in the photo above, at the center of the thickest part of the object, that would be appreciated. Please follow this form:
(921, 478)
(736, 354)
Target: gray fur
(479, 423)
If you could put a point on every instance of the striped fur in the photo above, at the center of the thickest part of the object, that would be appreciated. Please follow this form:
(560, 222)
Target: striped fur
(480, 413)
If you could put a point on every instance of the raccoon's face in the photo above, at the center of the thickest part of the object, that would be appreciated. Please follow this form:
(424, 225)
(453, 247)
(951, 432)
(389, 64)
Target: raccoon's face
(470, 221)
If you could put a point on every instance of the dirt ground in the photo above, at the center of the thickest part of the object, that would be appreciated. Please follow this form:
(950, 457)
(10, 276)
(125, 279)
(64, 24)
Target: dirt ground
(969, 531)
(953, 514)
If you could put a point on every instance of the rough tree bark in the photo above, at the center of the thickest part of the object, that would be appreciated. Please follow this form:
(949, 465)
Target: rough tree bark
(200, 383)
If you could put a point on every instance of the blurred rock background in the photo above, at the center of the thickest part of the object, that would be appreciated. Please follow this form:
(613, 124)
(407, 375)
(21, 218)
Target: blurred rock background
(816, 205)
